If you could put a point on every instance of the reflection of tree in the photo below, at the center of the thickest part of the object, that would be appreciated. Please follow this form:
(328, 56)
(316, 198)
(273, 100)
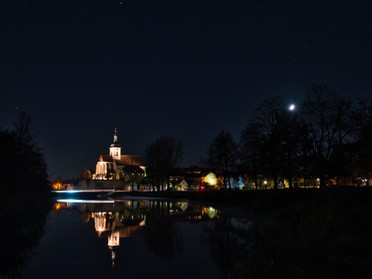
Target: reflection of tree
(322, 236)
(22, 225)
(162, 236)
(228, 242)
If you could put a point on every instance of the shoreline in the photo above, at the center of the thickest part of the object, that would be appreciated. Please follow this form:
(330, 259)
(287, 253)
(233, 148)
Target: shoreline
(358, 196)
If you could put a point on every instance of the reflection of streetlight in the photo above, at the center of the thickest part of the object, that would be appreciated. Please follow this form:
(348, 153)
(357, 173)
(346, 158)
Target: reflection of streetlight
(292, 107)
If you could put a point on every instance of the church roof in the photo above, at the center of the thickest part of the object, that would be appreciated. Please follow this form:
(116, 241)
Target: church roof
(131, 160)
(133, 169)
(125, 160)
(106, 158)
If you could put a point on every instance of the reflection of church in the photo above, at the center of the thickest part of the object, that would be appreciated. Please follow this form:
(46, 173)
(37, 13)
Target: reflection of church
(116, 220)
(112, 225)
(117, 166)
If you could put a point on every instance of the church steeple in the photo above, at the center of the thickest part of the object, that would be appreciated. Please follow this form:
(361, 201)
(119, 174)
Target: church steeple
(115, 136)
(115, 147)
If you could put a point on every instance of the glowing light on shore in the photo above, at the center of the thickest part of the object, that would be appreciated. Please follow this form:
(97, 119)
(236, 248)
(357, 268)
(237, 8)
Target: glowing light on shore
(211, 179)
(292, 107)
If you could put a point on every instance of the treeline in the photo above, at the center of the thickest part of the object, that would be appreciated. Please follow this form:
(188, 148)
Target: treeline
(327, 136)
(24, 169)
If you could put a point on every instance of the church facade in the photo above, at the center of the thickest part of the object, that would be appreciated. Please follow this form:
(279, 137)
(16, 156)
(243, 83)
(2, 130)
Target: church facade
(118, 166)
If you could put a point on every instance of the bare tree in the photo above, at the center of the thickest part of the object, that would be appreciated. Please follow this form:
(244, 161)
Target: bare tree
(223, 155)
(261, 139)
(274, 142)
(23, 133)
(161, 157)
(328, 118)
(362, 148)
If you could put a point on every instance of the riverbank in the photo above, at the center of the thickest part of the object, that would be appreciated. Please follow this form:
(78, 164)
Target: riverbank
(250, 200)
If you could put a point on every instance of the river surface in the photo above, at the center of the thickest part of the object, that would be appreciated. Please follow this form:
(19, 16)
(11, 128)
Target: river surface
(127, 238)
(141, 238)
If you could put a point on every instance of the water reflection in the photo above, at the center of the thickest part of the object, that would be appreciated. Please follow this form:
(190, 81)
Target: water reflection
(155, 220)
(156, 238)
(23, 221)
(321, 238)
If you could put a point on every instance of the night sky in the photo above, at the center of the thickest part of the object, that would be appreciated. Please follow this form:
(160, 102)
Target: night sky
(187, 69)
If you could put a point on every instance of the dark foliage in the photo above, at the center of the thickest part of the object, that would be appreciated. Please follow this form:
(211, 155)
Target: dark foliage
(24, 194)
(25, 169)
(23, 219)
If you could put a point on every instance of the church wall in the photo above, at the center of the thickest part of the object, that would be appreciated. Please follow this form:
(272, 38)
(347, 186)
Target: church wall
(115, 152)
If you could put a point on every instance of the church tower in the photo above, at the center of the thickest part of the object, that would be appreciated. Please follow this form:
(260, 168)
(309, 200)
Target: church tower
(115, 147)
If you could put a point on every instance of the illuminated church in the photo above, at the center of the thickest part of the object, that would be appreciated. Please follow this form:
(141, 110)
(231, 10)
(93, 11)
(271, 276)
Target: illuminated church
(118, 166)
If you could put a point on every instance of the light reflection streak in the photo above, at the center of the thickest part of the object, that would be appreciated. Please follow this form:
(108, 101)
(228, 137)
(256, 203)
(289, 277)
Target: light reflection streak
(83, 191)
(84, 201)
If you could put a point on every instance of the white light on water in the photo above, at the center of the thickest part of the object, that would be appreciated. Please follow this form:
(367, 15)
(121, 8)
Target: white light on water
(292, 107)
(84, 201)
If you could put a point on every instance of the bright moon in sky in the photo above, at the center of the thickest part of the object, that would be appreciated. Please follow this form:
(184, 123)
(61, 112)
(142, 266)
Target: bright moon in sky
(292, 107)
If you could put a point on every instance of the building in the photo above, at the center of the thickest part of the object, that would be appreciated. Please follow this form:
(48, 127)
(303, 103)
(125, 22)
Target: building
(118, 166)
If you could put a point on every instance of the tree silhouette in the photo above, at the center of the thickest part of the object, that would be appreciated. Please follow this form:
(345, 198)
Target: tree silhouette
(161, 157)
(24, 193)
(362, 148)
(274, 142)
(26, 169)
(328, 118)
(223, 155)
(251, 151)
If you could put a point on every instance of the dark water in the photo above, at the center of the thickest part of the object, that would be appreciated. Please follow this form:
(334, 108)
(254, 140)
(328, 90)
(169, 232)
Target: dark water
(107, 239)
(322, 238)
(128, 238)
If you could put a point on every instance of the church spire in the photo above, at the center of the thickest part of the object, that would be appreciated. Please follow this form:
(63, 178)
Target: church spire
(115, 147)
(115, 136)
